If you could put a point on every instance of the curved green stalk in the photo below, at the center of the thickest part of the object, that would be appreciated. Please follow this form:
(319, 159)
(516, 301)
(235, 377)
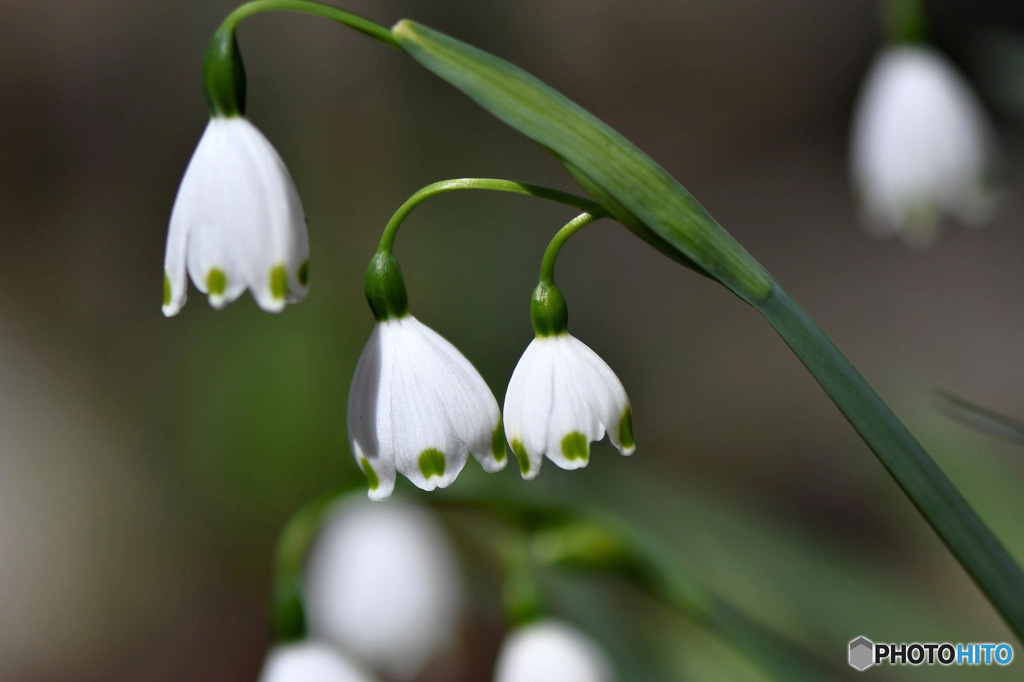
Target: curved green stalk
(375, 31)
(649, 201)
(547, 265)
(223, 72)
(387, 239)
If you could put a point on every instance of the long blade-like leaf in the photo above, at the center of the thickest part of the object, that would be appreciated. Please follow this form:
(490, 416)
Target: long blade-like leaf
(649, 201)
(981, 417)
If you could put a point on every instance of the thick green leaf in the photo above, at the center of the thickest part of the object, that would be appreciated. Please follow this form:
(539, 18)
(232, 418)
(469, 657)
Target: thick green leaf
(650, 202)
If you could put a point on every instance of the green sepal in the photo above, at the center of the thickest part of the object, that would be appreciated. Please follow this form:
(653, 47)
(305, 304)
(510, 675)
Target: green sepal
(905, 21)
(224, 75)
(548, 310)
(385, 288)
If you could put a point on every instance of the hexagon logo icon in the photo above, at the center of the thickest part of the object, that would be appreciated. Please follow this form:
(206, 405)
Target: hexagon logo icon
(862, 653)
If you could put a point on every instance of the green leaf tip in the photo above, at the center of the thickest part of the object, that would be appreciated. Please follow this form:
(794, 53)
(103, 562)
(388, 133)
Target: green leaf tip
(575, 446)
(372, 479)
(432, 463)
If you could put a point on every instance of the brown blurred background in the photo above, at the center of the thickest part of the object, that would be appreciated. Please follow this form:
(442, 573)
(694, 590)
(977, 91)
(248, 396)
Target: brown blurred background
(146, 465)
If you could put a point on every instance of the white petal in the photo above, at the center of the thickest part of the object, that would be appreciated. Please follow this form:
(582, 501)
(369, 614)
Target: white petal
(528, 405)
(383, 583)
(419, 405)
(921, 144)
(362, 419)
(238, 216)
(574, 424)
(605, 394)
(309, 661)
(472, 409)
(551, 651)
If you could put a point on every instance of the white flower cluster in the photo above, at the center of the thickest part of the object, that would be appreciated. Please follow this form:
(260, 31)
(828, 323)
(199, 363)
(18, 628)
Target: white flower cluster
(419, 407)
(383, 593)
(416, 406)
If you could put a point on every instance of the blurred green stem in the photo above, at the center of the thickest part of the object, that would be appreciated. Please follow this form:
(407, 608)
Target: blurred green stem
(387, 240)
(289, 611)
(596, 542)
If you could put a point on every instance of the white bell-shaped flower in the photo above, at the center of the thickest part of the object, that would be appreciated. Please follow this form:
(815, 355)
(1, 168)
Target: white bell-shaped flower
(921, 146)
(309, 662)
(382, 582)
(418, 406)
(551, 651)
(562, 397)
(237, 223)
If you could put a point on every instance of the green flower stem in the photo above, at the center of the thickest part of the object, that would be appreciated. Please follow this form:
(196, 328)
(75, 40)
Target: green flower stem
(289, 611)
(387, 240)
(375, 31)
(547, 265)
(223, 72)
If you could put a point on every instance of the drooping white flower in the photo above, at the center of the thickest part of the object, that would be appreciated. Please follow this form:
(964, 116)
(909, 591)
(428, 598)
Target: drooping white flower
(309, 661)
(237, 223)
(418, 406)
(551, 651)
(383, 583)
(562, 397)
(921, 145)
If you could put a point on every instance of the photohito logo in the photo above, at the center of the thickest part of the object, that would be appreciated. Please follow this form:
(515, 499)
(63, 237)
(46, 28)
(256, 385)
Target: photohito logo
(864, 653)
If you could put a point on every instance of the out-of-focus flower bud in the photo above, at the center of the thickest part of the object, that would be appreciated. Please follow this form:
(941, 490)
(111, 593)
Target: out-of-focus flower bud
(551, 651)
(383, 583)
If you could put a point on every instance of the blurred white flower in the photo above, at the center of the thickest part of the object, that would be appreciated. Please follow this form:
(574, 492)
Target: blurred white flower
(563, 396)
(921, 146)
(237, 223)
(551, 651)
(382, 582)
(309, 662)
(417, 405)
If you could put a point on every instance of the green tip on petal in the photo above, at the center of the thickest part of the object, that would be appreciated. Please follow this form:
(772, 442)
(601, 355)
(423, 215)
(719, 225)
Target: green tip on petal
(432, 463)
(304, 273)
(498, 442)
(216, 282)
(279, 282)
(626, 430)
(520, 452)
(575, 446)
(167, 289)
(371, 476)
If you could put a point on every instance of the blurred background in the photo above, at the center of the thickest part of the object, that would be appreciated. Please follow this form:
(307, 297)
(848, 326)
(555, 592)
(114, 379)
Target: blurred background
(147, 465)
